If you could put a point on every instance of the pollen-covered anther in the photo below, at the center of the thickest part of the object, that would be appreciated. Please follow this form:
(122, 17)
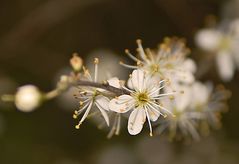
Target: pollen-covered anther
(151, 134)
(77, 126)
(105, 82)
(171, 97)
(126, 51)
(74, 116)
(167, 81)
(139, 63)
(81, 103)
(139, 41)
(96, 61)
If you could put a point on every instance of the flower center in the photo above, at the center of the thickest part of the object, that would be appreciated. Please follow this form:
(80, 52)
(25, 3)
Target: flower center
(225, 43)
(154, 68)
(142, 98)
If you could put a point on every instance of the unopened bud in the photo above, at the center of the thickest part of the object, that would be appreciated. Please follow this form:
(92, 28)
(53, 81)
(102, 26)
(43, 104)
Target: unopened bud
(76, 62)
(27, 98)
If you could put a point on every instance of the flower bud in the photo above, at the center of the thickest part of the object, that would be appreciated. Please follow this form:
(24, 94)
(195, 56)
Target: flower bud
(76, 62)
(27, 98)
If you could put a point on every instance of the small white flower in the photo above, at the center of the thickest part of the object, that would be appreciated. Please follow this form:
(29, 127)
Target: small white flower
(27, 98)
(143, 101)
(168, 61)
(184, 123)
(196, 110)
(90, 96)
(211, 104)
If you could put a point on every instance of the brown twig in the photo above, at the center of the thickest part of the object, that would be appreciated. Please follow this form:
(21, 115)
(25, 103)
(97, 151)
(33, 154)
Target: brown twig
(106, 86)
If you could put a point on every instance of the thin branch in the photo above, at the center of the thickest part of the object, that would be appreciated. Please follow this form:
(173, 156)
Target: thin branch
(106, 86)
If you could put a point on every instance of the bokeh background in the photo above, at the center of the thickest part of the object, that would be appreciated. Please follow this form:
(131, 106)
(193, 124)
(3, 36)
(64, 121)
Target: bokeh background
(37, 38)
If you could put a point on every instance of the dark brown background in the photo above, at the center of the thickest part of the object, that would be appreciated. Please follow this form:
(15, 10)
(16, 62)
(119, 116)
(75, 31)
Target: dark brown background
(37, 37)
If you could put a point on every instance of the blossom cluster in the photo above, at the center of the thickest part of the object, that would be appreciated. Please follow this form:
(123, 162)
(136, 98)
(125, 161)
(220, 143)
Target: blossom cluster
(161, 93)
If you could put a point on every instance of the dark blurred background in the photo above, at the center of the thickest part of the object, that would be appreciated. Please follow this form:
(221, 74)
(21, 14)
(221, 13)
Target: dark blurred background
(37, 38)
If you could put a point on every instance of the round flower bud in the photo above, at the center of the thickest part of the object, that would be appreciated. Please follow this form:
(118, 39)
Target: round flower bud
(76, 62)
(27, 98)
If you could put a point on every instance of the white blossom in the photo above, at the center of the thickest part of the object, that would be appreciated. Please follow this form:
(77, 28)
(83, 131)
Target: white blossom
(143, 102)
(90, 96)
(184, 123)
(27, 98)
(167, 62)
(223, 42)
(196, 109)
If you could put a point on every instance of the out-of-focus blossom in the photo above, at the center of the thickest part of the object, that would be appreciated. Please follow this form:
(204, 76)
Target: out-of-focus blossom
(89, 96)
(223, 42)
(184, 123)
(167, 62)
(196, 111)
(27, 98)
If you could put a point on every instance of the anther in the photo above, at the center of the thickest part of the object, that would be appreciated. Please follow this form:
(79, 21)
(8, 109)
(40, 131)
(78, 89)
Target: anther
(77, 126)
(96, 61)
(138, 41)
(151, 134)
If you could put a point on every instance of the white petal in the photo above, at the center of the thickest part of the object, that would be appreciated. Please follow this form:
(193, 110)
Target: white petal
(122, 104)
(130, 83)
(225, 65)
(104, 114)
(200, 93)
(103, 105)
(138, 79)
(183, 100)
(208, 39)
(189, 65)
(115, 82)
(153, 114)
(103, 102)
(136, 121)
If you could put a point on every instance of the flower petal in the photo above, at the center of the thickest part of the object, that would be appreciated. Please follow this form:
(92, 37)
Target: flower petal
(103, 102)
(200, 94)
(115, 82)
(104, 114)
(189, 65)
(208, 39)
(138, 80)
(153, 115)
(136, 121)
(122, 104)
(225, 65)
(103, 105)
